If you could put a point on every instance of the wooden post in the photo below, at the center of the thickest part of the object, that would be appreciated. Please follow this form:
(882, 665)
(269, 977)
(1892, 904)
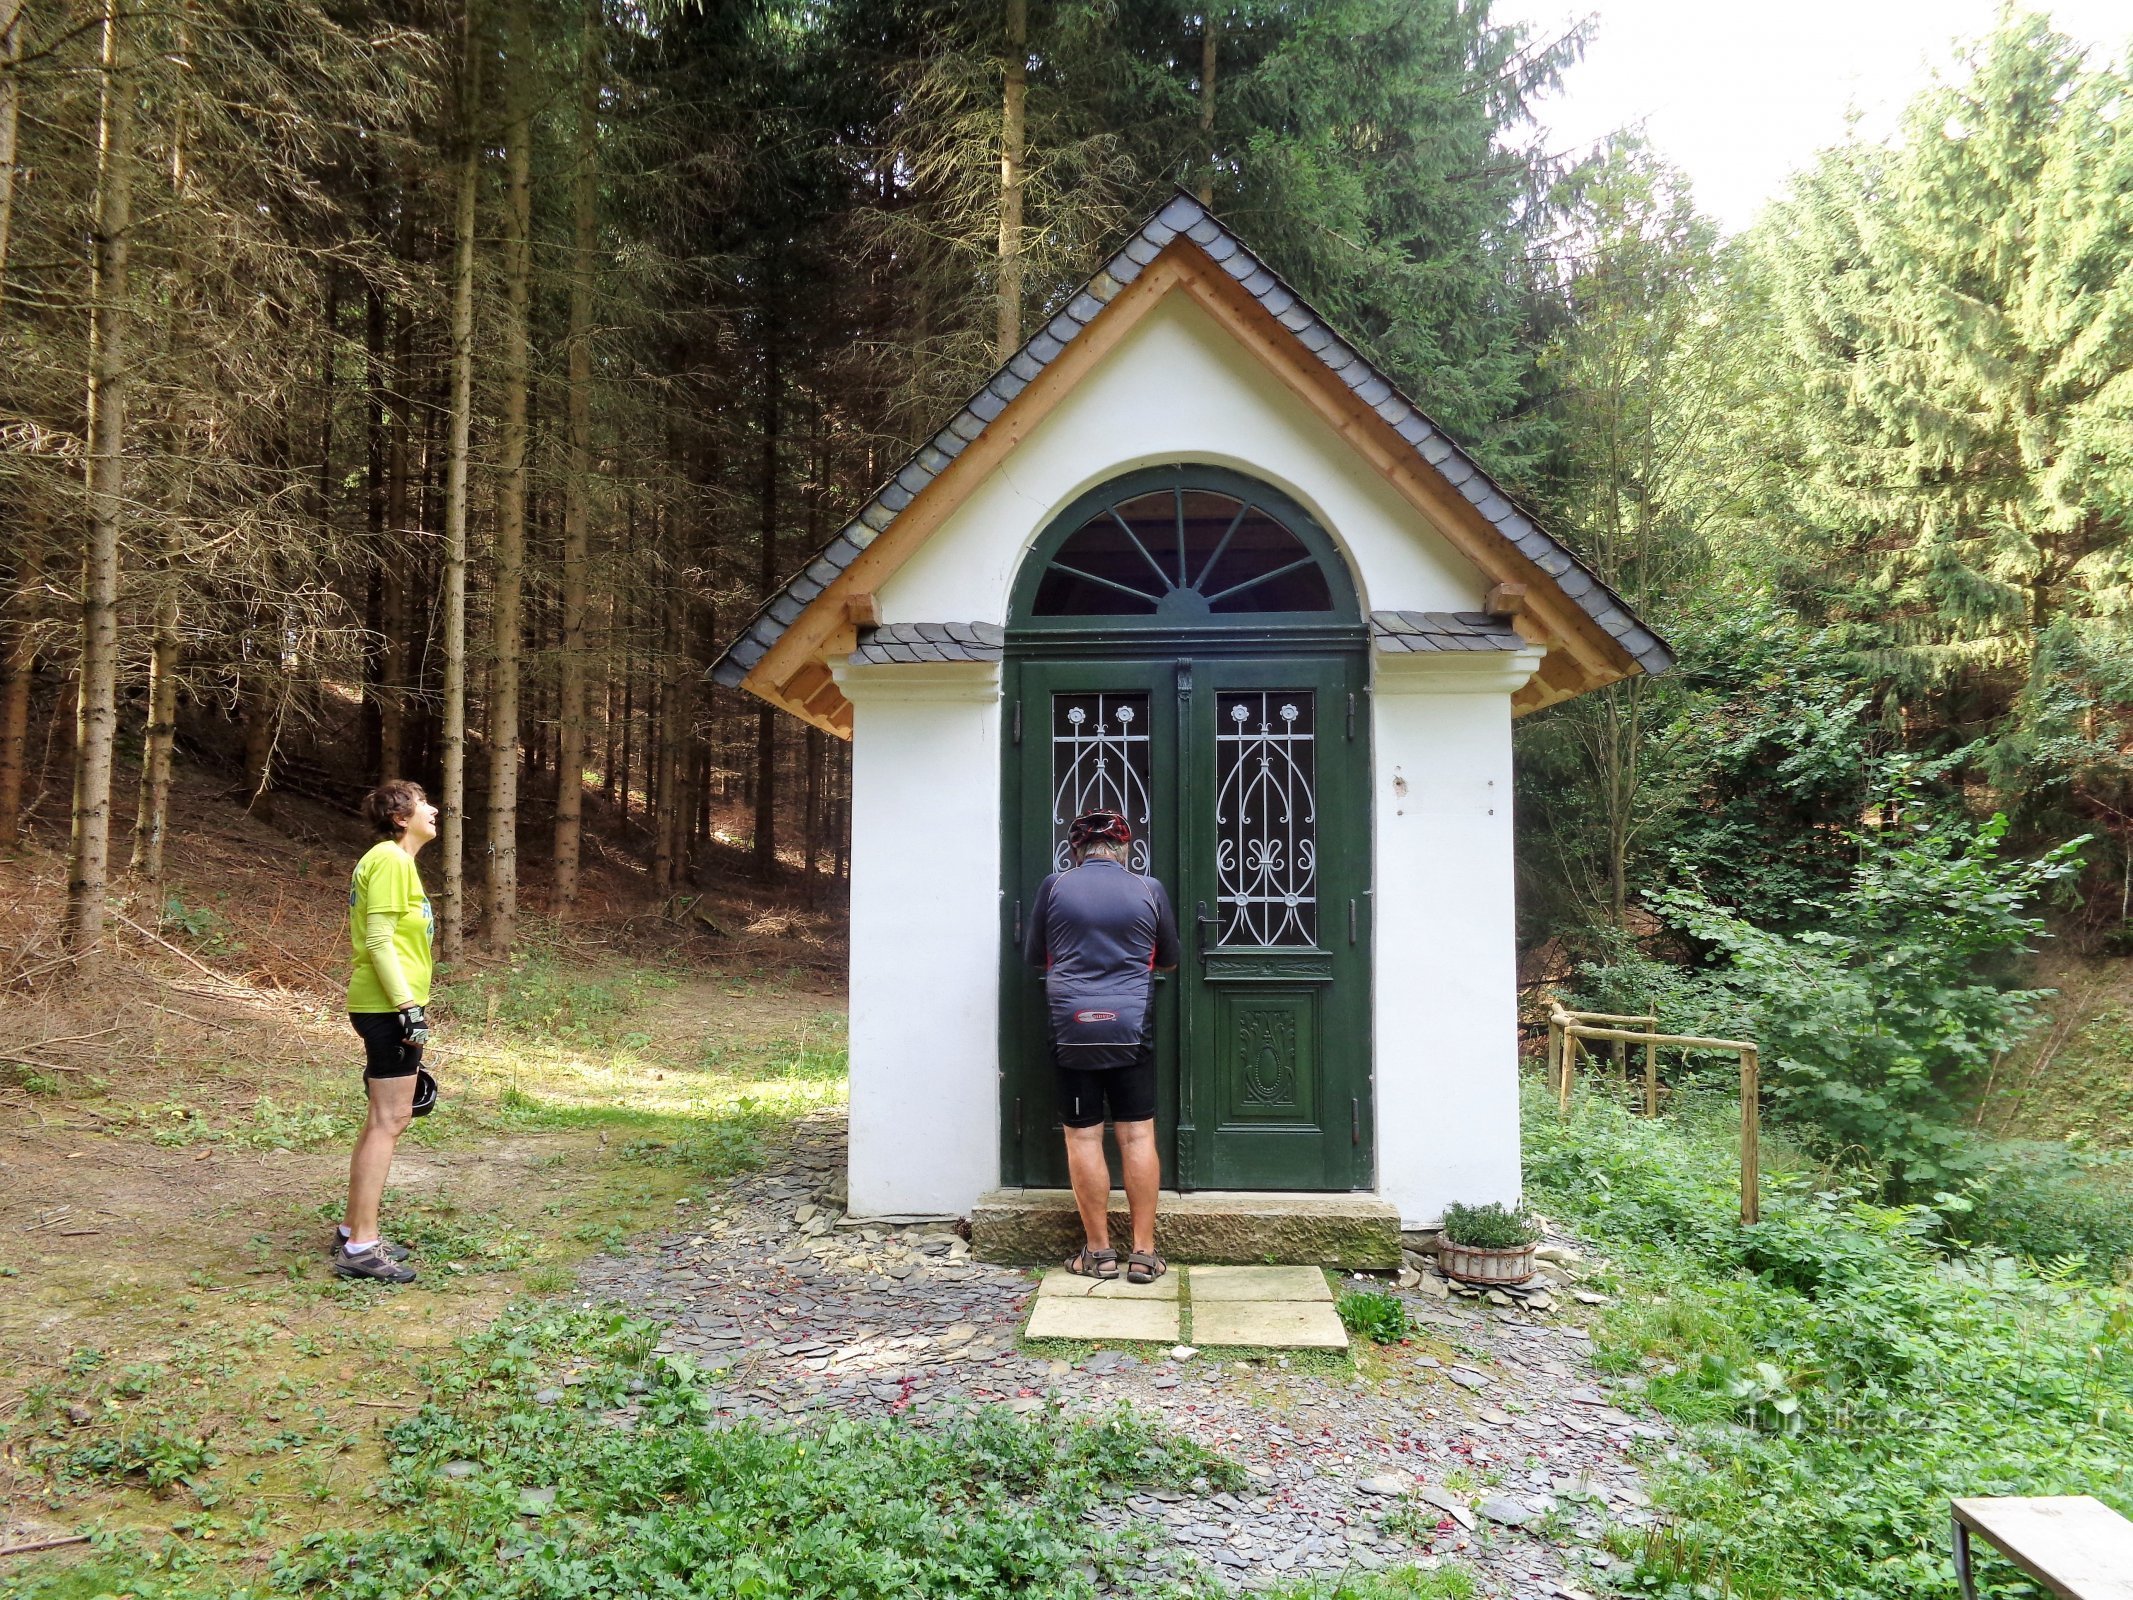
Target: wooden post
(1751, 1127)
(1651, 1078)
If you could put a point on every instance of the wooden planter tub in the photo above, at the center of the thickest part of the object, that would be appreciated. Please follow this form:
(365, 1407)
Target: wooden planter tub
(1497, 1268)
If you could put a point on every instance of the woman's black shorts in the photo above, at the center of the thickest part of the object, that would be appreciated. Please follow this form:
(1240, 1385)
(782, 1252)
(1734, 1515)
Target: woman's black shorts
(385, 1053)
(1127, 1092)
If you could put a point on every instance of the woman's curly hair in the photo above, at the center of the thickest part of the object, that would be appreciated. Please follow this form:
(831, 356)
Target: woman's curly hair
(391, 804)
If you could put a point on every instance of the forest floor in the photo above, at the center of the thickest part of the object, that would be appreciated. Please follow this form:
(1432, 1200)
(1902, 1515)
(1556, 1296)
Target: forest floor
(173, 1156)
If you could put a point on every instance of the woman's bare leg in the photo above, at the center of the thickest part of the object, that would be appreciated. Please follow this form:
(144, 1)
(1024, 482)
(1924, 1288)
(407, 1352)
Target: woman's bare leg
(392, 1107)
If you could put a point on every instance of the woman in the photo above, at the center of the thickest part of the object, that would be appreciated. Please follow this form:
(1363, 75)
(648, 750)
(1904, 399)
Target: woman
(390, 927)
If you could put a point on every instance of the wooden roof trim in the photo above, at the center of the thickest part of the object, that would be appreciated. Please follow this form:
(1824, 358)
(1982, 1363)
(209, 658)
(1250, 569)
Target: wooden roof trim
(803, 641)
(1465, 529)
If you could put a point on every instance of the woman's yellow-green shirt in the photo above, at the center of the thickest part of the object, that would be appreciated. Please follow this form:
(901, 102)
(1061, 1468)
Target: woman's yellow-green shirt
(386, 885)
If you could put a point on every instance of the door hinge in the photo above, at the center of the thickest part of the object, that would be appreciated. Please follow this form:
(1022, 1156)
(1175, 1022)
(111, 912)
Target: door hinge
(1018, 721)
(1351, 918)
(1018, 922)
(1355, 1119)
(1018, 1118)
(1351, 716)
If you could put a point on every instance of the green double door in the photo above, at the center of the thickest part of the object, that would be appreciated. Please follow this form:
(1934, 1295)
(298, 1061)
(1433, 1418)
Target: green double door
(1246, 781)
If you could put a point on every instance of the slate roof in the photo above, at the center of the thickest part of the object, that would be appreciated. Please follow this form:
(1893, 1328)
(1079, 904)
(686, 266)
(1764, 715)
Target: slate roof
(1185, 215)
(930, 641)
(1411, 632)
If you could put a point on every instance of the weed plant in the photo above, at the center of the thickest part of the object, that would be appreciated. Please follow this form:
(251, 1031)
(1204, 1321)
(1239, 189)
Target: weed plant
(1840, 1373)
(1378, 1316)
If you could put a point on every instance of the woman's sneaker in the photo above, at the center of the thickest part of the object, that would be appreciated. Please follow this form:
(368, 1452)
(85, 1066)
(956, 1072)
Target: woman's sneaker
(399, 1252)
(374, 1263)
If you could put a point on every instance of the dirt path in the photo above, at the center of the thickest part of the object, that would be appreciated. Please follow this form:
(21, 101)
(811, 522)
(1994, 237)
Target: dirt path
(170, 1336)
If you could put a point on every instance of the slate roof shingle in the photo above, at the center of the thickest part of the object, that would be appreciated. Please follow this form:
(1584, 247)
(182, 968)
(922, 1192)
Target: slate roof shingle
(911, 642)
(1183, 214)
(1412, 632)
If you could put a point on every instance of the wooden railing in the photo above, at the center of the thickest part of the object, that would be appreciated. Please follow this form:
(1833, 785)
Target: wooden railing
(1572, 1032)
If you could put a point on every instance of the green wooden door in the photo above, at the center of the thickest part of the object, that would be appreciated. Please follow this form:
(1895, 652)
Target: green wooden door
(1245, 778)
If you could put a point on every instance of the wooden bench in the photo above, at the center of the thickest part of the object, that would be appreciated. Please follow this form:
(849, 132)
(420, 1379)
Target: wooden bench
(2073, 1544)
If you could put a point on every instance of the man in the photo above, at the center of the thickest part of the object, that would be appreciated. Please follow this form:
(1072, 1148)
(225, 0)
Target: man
(1099, 931)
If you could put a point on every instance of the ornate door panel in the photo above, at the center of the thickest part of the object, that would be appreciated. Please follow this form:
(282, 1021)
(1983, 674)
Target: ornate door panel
(1276, 988)
(1245, 780)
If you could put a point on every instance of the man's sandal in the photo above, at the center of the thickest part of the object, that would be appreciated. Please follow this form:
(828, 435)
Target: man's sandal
(1087, 1263)
(1145, 1266)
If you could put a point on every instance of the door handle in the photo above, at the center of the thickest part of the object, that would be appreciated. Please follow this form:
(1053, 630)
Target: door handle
(1204, 921)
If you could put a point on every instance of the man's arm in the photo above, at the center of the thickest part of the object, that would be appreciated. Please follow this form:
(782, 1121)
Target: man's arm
(1166, 931)
(1033, 943)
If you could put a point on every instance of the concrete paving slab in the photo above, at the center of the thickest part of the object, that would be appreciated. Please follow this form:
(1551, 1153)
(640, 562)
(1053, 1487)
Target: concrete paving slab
(1060, 1282)
(1070, 1317)
(1268, 1324)
(1258, 1283)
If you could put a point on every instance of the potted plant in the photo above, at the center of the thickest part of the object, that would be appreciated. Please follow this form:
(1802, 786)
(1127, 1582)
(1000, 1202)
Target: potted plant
(1489, 1245)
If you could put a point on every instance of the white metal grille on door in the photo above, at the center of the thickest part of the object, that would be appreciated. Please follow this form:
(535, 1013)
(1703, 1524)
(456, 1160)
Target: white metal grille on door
(1100, 762)
(1266, 818)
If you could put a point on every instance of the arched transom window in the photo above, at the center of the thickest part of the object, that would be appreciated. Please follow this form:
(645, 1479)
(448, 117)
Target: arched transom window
(1191, 545)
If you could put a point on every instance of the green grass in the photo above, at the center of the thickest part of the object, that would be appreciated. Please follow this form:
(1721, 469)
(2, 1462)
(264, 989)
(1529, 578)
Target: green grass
(1841, 1376)
(650, 1498)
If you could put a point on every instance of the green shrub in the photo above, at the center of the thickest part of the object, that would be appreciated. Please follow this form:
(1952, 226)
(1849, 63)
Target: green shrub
(1494, 1226)
(1878, 1020)
(2043, 1201)
(1838, 1374)
(1378, 1316)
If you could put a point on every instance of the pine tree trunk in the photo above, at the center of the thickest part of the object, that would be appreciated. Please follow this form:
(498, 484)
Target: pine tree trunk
(152, 815)
(401, 547)
(453, 734)
(766, 725)
(96, 706)
(507, 601)
(1210, 34)
(18, 665)
(10, 126)
(152, 806)
(1012, 135)
(666, 866)
(577, 487)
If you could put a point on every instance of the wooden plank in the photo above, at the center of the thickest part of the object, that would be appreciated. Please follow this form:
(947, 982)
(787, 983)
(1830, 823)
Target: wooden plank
(2073, 1544)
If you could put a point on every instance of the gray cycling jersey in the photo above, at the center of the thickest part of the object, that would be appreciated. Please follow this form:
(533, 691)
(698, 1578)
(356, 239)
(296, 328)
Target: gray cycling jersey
(1098, 931)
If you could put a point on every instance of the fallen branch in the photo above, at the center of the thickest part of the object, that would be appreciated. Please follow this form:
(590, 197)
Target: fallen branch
(72, 1038)
(42, 1544)
(32, 1061)
(205, 1022)
(184, 955)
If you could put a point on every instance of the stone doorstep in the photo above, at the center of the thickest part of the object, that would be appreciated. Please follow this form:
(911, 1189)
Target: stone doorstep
(1072, 1317)
(1060, 1283)
(1268, 1324)
(1356, 1231)
(1211, 1284)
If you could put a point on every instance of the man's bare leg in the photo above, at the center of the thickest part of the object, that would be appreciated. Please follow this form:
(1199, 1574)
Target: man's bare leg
(1144, 1171)
(1090, 1173)
(392, 1106)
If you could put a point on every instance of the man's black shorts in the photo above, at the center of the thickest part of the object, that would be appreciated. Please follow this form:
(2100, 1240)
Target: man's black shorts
(1128, 1092)
(385, 1053)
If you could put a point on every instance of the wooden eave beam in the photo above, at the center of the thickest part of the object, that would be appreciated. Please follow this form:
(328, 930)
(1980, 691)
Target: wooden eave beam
(1377, 442)
(807, 639)
(827, 625)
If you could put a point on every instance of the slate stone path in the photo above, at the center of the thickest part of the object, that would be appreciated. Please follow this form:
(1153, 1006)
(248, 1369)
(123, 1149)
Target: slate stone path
(1487, 1440)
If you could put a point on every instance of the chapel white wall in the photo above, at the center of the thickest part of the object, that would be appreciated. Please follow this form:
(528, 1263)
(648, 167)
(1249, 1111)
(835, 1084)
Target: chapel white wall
(1178, 388)
(924, 1015)
(1445, 998)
